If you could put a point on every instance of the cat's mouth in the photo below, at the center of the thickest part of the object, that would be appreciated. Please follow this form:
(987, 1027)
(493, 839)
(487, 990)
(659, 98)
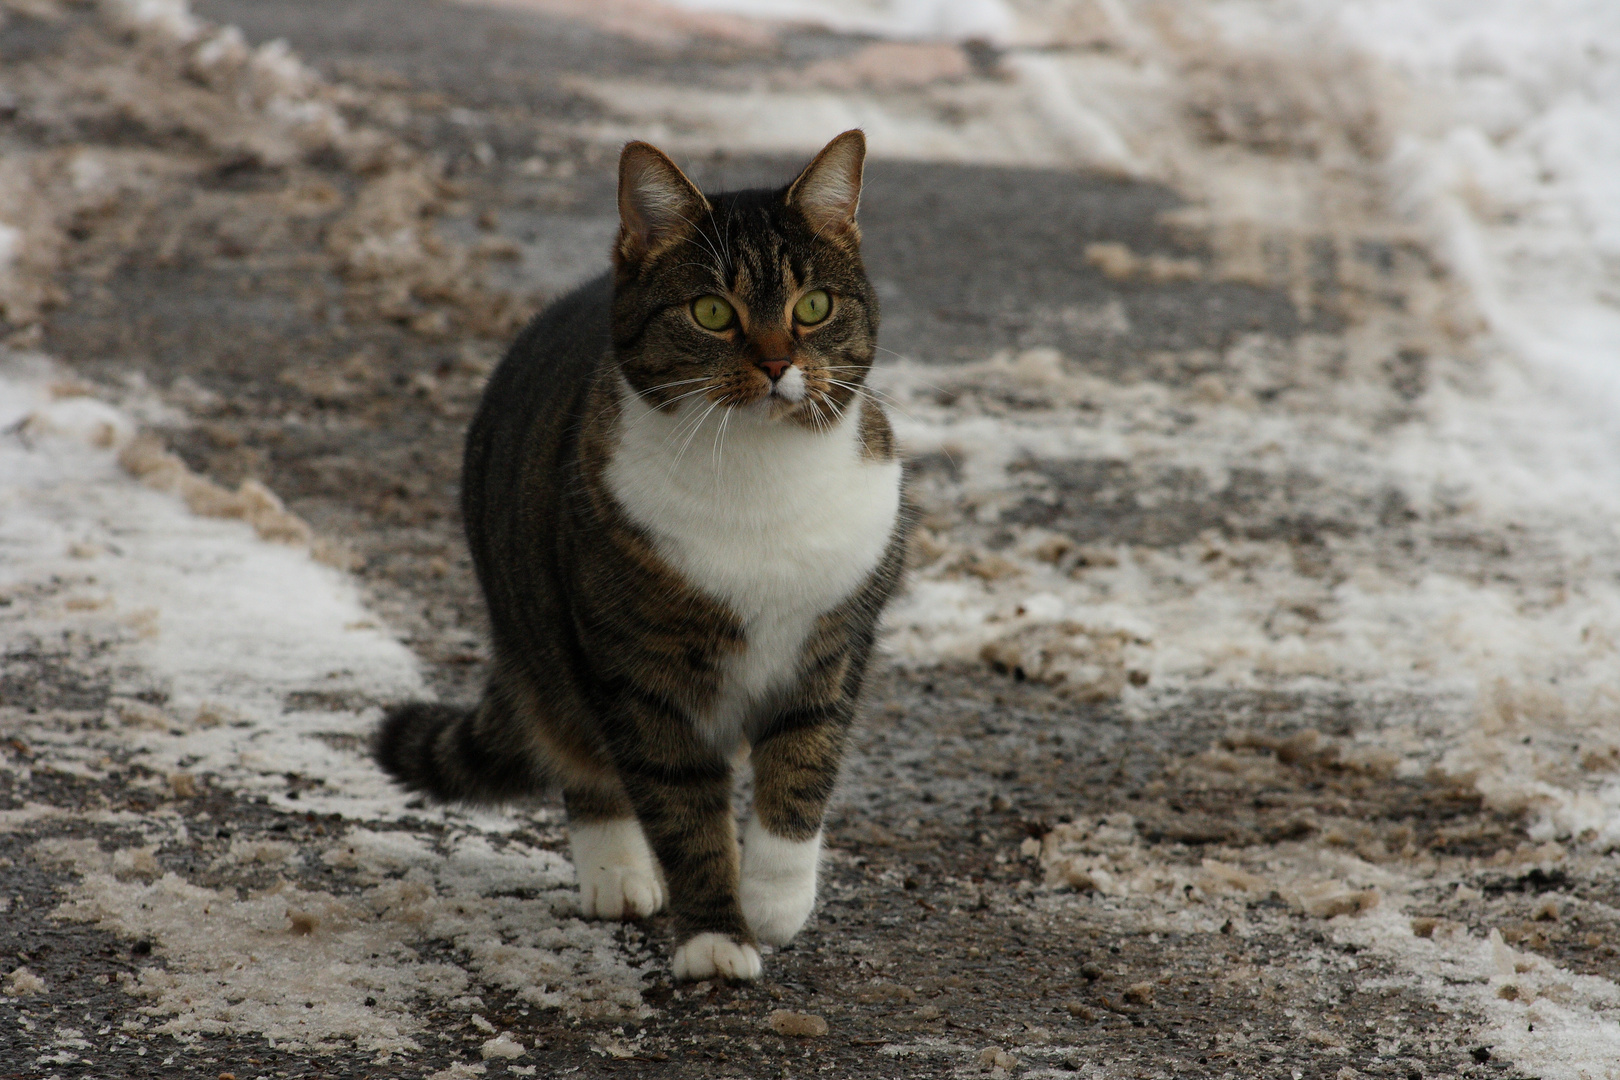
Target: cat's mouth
(789, 394)
(790, 387)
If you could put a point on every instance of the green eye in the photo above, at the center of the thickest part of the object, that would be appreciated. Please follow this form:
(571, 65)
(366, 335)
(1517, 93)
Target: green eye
(812, 307)
(713, 313)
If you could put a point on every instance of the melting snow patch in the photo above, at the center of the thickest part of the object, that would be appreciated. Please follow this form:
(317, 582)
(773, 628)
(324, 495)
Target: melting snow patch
(502, 1046)
(1547, 1020)
(196, 613)
(21, 982)
(215, 629)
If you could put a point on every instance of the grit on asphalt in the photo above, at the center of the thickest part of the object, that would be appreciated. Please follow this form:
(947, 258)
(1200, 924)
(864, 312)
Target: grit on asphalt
(1131, 797)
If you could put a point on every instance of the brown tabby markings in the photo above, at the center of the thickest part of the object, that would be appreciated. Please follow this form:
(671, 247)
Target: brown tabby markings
(607, 658)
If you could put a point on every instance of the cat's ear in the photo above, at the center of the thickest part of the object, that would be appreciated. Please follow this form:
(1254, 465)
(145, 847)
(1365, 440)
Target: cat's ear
(828, 192)
(657, 203)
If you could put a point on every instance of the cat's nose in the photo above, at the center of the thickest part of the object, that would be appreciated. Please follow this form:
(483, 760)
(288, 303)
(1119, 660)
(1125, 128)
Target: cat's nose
(774, 368)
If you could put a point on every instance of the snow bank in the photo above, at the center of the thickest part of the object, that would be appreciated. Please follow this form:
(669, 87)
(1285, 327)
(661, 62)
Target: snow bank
(1486, 134)
(206, 629)
(1508, 144)
(212, 637)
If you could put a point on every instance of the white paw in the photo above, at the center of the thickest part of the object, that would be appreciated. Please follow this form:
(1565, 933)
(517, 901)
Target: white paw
(778, 883)
(708, 955)
(618, 876)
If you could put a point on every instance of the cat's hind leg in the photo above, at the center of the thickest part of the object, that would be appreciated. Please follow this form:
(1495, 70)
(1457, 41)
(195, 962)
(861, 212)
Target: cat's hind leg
(619, 878)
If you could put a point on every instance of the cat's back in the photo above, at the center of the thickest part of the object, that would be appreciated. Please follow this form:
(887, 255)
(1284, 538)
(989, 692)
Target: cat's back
(549, 365)
(528, 420)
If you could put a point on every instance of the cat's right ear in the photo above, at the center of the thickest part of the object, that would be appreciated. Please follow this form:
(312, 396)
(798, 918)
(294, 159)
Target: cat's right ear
(657, 203)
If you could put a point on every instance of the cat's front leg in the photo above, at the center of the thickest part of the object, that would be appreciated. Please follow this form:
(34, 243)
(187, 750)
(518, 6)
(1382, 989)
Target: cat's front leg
(778, 882)
(795, 769)
(681, 789)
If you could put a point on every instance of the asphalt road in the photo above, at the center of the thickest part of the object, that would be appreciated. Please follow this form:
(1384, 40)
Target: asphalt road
(934, 930)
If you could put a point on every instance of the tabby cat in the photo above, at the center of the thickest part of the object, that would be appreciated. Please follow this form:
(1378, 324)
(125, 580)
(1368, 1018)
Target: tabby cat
(686, 514)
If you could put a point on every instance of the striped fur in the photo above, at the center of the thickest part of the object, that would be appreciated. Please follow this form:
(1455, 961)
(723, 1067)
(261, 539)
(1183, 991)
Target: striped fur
(623, 671)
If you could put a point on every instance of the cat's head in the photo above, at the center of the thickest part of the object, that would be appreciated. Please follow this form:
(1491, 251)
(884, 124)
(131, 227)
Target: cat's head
(749, 299)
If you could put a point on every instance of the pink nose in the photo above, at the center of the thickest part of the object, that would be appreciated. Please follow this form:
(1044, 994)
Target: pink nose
(775, 368)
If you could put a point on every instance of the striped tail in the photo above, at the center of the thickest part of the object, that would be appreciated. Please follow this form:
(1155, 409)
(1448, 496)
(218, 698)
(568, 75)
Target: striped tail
(458, 755)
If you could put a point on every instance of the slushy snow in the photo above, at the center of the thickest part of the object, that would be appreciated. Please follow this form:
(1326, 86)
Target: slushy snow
(1493, 129)
(207, 633)
(1489, 135)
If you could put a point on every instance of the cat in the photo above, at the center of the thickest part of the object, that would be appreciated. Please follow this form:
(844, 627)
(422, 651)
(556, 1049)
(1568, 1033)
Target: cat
(686, 512)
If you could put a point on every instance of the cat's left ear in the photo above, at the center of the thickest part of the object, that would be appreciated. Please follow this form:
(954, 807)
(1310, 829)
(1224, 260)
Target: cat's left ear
(828, 192)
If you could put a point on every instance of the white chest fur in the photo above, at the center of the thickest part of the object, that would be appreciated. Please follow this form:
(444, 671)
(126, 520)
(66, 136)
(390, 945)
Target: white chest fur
(778, 523)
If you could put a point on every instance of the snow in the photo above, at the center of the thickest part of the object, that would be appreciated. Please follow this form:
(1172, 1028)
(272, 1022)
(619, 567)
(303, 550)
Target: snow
(196, 612)
(501, 1046)
(299, 964)
(170, 18)
(1509, 144)
(1495, 129)
(1492, 131)
(1552, 1023)
(205, 630)
(10, 245)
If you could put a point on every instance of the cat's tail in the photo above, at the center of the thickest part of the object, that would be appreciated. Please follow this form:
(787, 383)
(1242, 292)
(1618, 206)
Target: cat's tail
(458, 755)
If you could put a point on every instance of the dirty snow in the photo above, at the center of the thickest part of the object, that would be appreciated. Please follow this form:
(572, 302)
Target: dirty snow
(1507, 145)
(194, 612)
(241, 661)
(207, 632)
(1549, 1021)
(1489, 133)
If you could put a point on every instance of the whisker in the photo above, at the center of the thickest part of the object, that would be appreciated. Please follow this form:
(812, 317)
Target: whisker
(731, 212)
(883, 397)
(689, 393)
(678, 398)
(720, 443)
(677, 382)
(719, 278)
(695, 429)
(692, 420)
(858, 367)
(832, 407)
(860, 387)
(921, 382)
(877, 396)
(695, 392)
